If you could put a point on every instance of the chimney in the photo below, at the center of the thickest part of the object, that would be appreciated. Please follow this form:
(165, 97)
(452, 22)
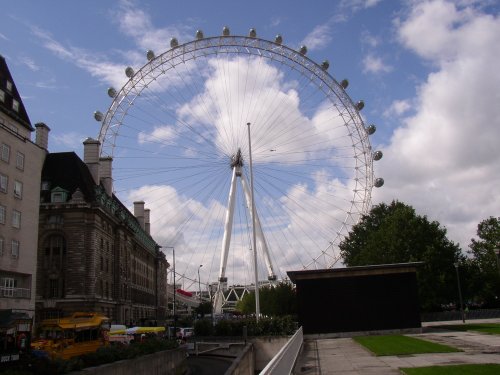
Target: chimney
(105, 173)
(139, 212)
(91, 157)
(42, 135)
(147, 218)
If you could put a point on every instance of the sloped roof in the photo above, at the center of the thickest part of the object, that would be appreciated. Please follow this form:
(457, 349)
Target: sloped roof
(66, 170)
(21, 116)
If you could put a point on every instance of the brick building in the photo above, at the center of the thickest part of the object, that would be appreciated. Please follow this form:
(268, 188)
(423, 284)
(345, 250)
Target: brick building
(93, 253)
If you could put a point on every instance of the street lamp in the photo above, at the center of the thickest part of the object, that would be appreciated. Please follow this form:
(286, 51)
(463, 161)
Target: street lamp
(174, 303)
(459, 293)
(199, 282)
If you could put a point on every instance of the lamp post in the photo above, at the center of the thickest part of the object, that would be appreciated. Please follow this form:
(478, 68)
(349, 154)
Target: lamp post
(174, 303)
(199, 282)
(459, 292)
(254, 239)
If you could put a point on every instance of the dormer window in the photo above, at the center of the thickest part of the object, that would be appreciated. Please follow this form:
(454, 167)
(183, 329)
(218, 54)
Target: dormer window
(9, 86)
(15, 105)
(45, 185)
(58, 195)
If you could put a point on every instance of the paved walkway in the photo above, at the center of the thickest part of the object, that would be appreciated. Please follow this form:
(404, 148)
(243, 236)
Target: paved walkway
(344, 356)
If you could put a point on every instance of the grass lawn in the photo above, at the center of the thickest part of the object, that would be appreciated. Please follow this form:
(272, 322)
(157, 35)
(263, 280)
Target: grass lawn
(454, 369)
(401, 345)
(492, 328)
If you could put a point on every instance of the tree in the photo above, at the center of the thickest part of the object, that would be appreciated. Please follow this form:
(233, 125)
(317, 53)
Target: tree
(277, 300)
(484, 262)
(396, 234)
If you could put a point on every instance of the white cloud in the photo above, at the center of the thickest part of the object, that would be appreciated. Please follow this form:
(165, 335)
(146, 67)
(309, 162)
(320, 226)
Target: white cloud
(445, 159)
(2, 36)
(71, 140)
(318, 38)
(161, 135)
(397, 108)
(98, 66)
(375, 64)
(30, 63)
(135, 22)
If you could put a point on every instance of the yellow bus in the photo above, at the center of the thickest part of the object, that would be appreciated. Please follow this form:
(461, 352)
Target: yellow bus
(80, 333)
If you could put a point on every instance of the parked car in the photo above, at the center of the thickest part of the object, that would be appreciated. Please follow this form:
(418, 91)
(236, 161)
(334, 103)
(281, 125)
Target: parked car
(185, 332)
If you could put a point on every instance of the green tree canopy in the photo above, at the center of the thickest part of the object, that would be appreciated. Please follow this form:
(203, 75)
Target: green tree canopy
(394, 233)
(277, 300)
(484, 276)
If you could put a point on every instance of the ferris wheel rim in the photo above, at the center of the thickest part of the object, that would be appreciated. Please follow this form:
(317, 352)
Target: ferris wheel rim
(140, 80)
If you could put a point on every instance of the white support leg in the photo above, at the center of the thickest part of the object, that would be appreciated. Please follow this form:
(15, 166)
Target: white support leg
(226, 241)
(260, 234)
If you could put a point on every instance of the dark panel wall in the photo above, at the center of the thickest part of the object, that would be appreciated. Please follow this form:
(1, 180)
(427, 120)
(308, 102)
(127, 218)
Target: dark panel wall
(358, 303)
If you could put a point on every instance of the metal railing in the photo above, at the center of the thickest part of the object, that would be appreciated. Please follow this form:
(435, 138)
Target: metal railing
(6, 292)
(283, 362)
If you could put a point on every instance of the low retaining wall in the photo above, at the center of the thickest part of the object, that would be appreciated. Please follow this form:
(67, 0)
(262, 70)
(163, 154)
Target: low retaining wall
(167, 362)
(244, 363)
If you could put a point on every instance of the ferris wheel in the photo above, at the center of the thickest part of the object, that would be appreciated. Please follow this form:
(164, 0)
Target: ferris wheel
(183, 130)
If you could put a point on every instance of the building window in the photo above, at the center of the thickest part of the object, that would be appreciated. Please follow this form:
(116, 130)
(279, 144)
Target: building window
(3, 214)
(54, 288)
(2, 96)
(1, 246)
(8, 285)
(58, 196)
(16, 219)
(55, 249)
(18, 189)
(4, 183)
(15, 105)
(14, 249)
(8, 85)
(5, 152)
(20, 160)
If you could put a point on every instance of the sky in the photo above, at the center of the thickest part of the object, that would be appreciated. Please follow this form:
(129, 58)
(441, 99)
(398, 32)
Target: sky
(426, 71)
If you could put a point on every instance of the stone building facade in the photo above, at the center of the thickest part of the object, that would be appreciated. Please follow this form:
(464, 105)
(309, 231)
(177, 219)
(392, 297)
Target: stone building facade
(21, 162)
(93, 253)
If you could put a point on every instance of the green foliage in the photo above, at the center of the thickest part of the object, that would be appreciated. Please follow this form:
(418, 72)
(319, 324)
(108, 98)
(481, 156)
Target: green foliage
(204, 308)
(203, 327)
(401, 345)
(275, 326)
(277, 300)
(483, 275)
(396, 234)
(486, 369)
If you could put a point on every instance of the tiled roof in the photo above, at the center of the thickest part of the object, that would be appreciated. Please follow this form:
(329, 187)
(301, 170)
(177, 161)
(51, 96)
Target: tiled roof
(21, 116)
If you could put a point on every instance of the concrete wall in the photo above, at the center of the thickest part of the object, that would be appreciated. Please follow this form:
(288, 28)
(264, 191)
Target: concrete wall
(168, 362)
(266, 348)
(244, 364)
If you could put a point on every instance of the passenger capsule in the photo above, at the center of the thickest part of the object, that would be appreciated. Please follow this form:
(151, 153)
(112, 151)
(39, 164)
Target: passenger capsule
(225, 31)
(174, 42)
(303, 50)
(278, 39)
(129, 72)
(199, 34)
(379, 182)
(98, 116)
(325, 65)
(377, 155)
(150, 55)
(344, 83)
(371, 129)
(111, 92)
(360, 105)
(252, 33)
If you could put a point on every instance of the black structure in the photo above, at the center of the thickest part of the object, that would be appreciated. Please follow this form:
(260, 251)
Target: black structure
(367, 298)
